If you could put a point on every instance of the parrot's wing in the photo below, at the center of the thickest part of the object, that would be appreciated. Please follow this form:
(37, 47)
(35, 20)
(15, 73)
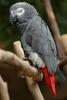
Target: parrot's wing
(26, 40)
(37, 38)
(43, 43)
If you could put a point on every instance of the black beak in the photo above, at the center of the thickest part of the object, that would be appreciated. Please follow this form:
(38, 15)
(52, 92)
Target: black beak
(13, 19)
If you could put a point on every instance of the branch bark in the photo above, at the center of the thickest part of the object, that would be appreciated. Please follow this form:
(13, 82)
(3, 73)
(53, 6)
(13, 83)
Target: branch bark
(4, 90)
(63, 63)
(32, 85)
(64, 42)
(54, 28)
(34, 89)
(22, 67)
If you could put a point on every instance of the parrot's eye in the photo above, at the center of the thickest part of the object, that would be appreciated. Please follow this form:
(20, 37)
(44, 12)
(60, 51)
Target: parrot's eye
(20, 11)
(12, 12)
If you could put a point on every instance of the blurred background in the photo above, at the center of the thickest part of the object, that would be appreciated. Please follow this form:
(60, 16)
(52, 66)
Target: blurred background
(17, 86)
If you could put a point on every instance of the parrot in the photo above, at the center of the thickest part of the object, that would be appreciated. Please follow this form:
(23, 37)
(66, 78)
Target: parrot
(36, 40)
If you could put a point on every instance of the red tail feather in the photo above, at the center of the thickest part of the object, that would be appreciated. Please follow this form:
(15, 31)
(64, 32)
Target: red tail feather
(49, 80)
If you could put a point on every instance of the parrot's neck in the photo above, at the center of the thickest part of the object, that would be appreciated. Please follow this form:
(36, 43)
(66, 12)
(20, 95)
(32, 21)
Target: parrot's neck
(22, 25)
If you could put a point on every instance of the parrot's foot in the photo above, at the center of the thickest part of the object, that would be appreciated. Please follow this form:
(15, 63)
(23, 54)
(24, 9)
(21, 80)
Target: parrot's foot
(36, 60)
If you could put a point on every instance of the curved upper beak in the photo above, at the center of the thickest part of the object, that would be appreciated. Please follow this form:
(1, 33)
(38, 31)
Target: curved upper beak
(13, 18)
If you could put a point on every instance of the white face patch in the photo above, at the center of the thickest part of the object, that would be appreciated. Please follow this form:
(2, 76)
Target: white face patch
(20, 11)
(12, 12)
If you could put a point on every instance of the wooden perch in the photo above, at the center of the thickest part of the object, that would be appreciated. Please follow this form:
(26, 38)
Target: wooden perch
(32, 85)
(59, 40)
(34, 89)
(22, 67)
(54, 28)
(3, 90)
(19, 51)
(64, 42)
(63, 63)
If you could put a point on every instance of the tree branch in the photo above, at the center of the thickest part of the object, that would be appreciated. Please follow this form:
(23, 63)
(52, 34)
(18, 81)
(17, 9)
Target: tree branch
(63, 63)
(59, 40)
(22, 67)
(34, 89)
(54, 28)
(64, 42)
(4, 90)
(32, 85)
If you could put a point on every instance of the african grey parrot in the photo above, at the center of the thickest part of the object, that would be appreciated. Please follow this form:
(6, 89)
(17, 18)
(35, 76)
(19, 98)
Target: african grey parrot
(36, 39)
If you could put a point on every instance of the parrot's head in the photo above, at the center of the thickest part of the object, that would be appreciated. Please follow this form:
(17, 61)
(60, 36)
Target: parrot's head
(21, 13)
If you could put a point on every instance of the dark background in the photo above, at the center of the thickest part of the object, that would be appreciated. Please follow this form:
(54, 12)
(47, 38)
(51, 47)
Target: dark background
(17, 87)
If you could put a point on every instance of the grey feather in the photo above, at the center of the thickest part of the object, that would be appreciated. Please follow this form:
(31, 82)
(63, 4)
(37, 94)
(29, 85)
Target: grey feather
(35, 35)
(41, 42)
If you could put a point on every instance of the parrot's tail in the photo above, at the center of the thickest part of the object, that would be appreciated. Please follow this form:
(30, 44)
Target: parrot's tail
(49, 80)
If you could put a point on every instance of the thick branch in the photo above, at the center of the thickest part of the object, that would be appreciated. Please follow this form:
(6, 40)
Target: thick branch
(64, 42)
(34, 89)
(63, 63)
(32, 85)
(18, 49)
(4, 90)
(22, 66)
(54, 28)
